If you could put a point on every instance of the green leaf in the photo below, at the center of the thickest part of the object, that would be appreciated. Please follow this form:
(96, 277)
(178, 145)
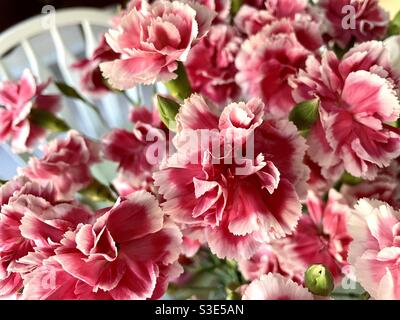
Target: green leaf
(168, 110)
(180, 87)
(394, 26)
(47, 120)
(68, 91)
(305, 114)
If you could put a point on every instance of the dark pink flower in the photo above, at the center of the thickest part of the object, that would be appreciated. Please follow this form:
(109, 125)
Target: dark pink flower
(273, 286)
(358, 20)
(138, 152)
(321, 237)
(130, 252)
(92, 80)
(17, 99)
(357, 100)
(216, 78)
(375, 250)
(66, 164)
(240, 200)
(32, 225)
(266, 63)
(152, 39)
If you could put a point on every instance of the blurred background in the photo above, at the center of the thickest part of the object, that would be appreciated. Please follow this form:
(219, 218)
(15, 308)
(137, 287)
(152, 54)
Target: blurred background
(14, 11)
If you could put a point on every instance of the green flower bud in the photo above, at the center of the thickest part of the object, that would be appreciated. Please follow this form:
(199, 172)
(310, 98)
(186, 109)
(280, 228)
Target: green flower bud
(319, 280)
(180, 87)
(305, 114)
(168, 110)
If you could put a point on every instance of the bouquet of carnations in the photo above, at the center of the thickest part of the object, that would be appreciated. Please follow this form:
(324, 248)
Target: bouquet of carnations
(268, 168)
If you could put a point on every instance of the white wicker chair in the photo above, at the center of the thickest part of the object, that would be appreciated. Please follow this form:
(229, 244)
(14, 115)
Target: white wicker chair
(48, 45)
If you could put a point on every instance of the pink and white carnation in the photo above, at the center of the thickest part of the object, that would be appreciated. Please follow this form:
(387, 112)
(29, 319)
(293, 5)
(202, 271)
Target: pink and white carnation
(92, 80)
(385, 187)
(241, 201)
(303, 18)
(151, 40)
(216, 78)
(355, 20)
(17, 100)
(321, 236)
(274, 286)
(268, 60)
(66, 164)
(32, 225)
(357, 101)
(375, 250)
(115, 257)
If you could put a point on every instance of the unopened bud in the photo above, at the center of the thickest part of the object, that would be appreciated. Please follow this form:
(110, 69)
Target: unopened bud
(319, 280)
(168, 110)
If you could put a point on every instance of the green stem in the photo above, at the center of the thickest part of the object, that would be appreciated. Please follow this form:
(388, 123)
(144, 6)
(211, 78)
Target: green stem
(97, 191)
(129, 99)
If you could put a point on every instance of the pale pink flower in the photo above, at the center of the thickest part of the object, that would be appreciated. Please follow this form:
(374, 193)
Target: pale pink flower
(216, 78)
(266, 62)
(321, 237)
(357, 100)
(130, 252)
(32, 225)
(375, 250)
(251, 20)
(152, 39)
(265, 260)
(240, 201)
(17, 99)
(286, 8)
(66, 164)
(362, 21)
(276, 287)
(92, 80)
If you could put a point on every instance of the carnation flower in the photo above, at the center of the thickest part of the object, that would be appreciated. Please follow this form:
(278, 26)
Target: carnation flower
(17, 99)
(118, 258)
(363, 20)
(92, 80)
(321, 237)
(266, 62)
(275, 287)
(215, 79)
(270, 258)
(138, 152)
(152, 39)
(240, 201)
(66, 164)
(375, 250)
(32, 225)
(357, 100)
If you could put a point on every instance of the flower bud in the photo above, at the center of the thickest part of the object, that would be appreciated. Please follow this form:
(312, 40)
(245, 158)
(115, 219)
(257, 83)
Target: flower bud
(168, 110)
(180, 87)
(319, 280)
(305, 114)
